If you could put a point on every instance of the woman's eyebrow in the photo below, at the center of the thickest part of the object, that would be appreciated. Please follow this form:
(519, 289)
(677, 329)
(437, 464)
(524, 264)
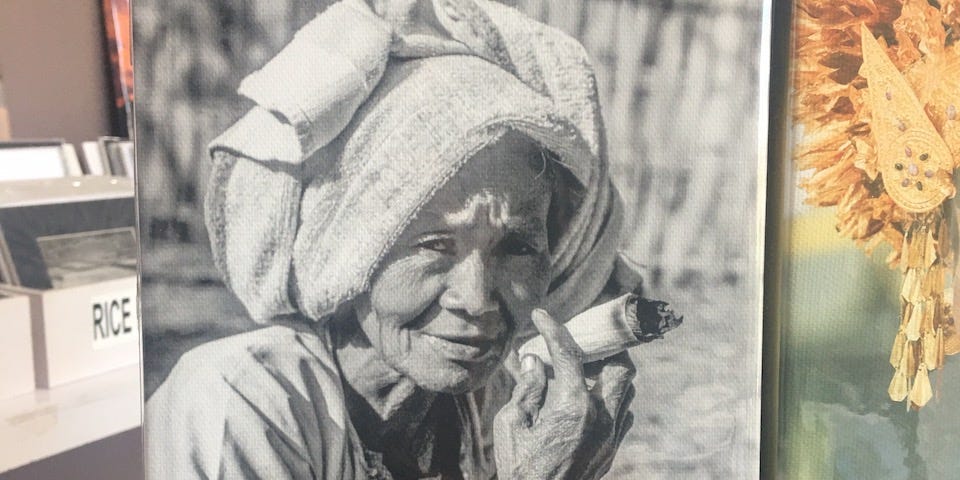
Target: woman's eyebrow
(434, 232)
(526, 227)
(527, 213)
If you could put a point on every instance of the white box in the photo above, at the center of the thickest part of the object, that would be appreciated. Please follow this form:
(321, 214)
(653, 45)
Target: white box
(83, 330)
(16, 347)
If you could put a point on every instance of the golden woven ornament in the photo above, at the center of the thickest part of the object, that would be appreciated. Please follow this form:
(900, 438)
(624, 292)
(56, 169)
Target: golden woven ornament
(881, 135)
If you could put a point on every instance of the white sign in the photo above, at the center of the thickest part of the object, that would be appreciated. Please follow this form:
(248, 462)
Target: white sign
(113, 319)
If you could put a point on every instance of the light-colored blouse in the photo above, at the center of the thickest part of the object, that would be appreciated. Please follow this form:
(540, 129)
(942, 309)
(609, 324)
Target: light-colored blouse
(263, 404)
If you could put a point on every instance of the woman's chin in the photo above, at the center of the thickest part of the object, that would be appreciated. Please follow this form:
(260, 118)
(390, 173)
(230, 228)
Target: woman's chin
(454, 385)
(452, 376)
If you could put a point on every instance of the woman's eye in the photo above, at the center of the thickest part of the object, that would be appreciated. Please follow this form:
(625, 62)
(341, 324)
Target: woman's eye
(441, 245)
(517, 247)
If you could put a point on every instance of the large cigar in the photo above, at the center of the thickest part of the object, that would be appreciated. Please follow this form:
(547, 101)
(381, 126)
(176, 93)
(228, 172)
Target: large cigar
(612, 327)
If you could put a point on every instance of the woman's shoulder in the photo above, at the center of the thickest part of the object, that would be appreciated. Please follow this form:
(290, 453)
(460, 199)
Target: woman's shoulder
(249, 387)
(270, 347)
(263, 360)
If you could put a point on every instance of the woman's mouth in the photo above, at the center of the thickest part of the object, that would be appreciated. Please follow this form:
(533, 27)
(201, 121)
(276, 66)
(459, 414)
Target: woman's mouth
(468, 349)
(464, 338)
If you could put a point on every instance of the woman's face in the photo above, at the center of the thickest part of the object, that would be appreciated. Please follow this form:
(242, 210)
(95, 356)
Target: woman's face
(445, 303)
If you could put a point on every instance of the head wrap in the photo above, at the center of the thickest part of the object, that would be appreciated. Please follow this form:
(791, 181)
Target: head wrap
(363, 116)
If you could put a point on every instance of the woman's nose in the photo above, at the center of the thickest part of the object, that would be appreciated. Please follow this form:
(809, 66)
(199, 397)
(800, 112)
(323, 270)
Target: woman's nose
(469, 287)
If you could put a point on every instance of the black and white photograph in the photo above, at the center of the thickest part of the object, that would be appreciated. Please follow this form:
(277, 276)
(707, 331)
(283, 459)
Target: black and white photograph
(63, 232)
(89, 257)
(451, 239)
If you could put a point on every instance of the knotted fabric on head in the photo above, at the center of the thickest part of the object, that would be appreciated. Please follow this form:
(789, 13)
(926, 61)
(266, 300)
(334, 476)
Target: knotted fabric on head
(364, 115)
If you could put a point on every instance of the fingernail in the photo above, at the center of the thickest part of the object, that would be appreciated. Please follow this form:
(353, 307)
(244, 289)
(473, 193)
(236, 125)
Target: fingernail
(527, 363)
(539, 315)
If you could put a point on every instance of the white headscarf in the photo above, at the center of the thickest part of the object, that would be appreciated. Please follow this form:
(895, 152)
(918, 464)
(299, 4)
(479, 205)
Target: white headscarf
(359, 120)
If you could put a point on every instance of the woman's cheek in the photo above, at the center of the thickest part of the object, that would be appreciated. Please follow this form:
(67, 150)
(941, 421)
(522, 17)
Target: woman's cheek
(526, 285)
(523, 298)
(530, 276)
(406, 288)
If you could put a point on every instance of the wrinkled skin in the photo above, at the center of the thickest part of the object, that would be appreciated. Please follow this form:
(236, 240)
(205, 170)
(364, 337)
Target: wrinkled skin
(557, 428)
(446, 303)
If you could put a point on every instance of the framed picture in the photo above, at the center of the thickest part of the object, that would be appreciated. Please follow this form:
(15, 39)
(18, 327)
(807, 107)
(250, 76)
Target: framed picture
(552, 172)
(869, 388)
(88, 257)
(118, 155)
(67, 232)
(93, 161)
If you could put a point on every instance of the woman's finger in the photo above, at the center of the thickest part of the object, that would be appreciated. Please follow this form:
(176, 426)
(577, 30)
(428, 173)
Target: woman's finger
(565, 354)
(615, 379)
(624, 418)
(529, 391)
(623, 426)
(533, 378)
(625, 403)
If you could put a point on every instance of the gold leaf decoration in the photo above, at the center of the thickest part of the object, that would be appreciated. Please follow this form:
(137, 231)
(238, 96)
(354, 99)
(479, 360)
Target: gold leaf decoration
(877, 92)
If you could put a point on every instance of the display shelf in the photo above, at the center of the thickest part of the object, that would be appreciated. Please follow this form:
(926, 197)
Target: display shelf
(47, 422)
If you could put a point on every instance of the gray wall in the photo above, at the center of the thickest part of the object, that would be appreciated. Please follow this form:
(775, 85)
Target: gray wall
(55, 75)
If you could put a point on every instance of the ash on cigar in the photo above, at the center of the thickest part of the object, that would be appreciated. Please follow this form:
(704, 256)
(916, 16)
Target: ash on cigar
(653, 318)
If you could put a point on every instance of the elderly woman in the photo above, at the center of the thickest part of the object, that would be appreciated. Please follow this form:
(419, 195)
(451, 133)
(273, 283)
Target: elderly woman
(419, 187)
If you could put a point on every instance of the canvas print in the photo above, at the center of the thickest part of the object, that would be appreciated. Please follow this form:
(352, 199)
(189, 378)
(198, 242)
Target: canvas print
(869, 388)
(451, 239)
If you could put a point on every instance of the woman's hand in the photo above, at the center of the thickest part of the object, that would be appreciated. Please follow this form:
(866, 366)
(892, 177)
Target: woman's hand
(557, 428)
